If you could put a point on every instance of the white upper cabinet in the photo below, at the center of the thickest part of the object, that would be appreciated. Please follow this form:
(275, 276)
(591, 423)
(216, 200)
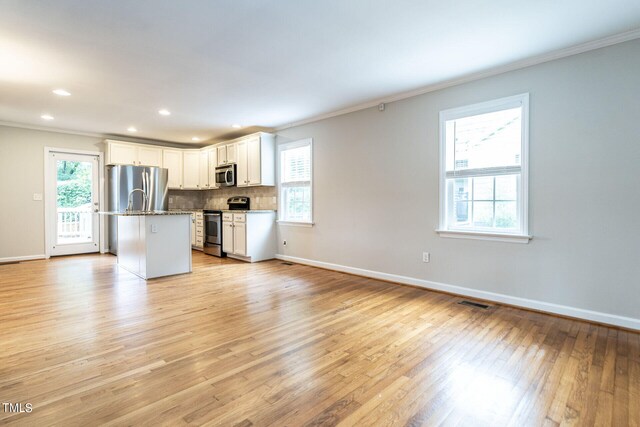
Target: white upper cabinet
(204, 169)
(191, 169)
(256, 161)
(195, 168)
(242, 171)
(172, 160)
(123, 153)
(149, 156)
(213, 162)
(232, 153)
(222, 155)
(227, 154)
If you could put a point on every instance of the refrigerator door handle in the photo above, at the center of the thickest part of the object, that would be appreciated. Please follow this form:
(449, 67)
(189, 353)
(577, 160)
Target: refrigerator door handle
(148, 190)
(144, 188)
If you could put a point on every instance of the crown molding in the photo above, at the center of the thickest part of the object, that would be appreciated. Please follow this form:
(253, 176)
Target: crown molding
(524, 63)
(51, 129)
(124, 138)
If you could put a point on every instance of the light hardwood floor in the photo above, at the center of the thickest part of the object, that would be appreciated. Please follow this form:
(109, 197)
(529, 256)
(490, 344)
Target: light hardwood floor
(270, 344)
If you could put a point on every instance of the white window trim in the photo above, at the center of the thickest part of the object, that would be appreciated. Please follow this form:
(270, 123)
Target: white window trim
(483, 108)
(289, 146)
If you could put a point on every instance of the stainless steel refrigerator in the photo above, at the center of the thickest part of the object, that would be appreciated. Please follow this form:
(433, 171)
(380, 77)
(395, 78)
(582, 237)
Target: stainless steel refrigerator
(121, 180)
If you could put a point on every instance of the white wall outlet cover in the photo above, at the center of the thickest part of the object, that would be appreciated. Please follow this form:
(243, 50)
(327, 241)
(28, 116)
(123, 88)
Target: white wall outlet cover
(37, 196)
(426, 257)
(154, 228)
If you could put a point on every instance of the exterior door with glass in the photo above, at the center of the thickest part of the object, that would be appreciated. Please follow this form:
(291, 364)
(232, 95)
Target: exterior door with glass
(73, 199)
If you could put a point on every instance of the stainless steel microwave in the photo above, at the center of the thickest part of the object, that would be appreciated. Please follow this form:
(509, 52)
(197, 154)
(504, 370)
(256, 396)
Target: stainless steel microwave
(226, 176)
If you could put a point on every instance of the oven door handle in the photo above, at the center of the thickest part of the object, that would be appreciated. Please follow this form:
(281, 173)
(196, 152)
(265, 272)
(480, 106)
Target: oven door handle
(208, 214)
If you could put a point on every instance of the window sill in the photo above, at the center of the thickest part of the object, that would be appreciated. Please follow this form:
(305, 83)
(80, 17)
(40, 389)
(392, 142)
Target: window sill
(476, 235)
(296, 223)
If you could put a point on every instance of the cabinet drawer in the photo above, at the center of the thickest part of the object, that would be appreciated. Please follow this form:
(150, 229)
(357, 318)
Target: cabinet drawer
(199, 232)
(199, 222)
(239, 217)
(199, 216)
(199, 241)
(227, 217)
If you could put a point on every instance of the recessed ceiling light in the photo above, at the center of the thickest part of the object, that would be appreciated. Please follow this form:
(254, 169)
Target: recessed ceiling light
(195, 138)
(132, 129)
(236, 126)
(61, 92)
(47, 117)
(164, 112)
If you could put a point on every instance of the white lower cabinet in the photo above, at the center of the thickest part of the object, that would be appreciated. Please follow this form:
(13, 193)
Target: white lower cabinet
(227, 236)
(249, 236)
(193, 228)
(197, 230)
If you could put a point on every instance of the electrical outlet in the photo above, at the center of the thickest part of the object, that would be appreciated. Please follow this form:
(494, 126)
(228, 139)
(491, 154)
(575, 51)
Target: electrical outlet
(284, 243)
(426, 257)
(170, 199)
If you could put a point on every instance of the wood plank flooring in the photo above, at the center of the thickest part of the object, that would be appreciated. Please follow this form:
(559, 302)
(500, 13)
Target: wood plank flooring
(270, 344)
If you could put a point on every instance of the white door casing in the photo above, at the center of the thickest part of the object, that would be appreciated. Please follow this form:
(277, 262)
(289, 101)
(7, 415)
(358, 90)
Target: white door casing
(88, 232)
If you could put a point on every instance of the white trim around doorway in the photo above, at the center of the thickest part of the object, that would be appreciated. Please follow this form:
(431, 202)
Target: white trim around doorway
(102, 197)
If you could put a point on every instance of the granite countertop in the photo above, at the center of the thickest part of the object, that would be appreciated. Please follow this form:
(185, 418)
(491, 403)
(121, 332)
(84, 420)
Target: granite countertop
(247, 211)
(144, 213)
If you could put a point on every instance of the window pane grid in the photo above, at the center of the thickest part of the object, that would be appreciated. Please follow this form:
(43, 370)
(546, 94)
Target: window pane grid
(295, 182)
(483, 166)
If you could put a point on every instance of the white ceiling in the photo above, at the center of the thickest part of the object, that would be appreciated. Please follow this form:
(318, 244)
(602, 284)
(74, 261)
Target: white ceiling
(261, 63)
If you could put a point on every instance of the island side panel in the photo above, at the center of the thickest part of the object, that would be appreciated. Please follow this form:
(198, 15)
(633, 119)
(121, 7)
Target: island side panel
(129, 245)
(168, 245)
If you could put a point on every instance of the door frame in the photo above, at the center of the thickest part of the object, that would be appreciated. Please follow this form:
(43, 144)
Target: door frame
(48, 194)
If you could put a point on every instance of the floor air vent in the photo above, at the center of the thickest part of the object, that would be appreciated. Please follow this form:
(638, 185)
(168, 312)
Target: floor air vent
(287, 263)
(474, 304)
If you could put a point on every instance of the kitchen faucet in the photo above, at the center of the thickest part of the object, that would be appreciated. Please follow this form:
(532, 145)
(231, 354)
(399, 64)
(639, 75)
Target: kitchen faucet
(145, 201)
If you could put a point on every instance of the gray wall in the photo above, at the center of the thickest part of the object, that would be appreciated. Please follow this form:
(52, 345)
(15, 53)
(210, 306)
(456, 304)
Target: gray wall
(376, 187)
(21, 175)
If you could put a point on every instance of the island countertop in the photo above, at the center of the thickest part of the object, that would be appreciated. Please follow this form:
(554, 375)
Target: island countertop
(145, 213)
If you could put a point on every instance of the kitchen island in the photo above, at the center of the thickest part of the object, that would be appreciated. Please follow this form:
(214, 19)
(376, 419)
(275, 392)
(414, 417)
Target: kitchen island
(154, 243)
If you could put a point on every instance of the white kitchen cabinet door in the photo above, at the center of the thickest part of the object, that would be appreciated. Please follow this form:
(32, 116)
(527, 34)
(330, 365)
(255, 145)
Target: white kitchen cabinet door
(150, 156)
(222, 155)
(232, 153)
(191, 169)
(242, 179)
(213, 163)
(239, 238)
(227, 237)
(193, 228)
(172, 160)
(204, 169)
(122, 154)
(254, 173)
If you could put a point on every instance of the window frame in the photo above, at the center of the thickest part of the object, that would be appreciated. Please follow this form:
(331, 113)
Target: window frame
(521, 235)
(289, 146)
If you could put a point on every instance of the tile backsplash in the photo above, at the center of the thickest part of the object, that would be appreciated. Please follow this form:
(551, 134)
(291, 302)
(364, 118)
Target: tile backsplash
(185, 199)
(261, 198)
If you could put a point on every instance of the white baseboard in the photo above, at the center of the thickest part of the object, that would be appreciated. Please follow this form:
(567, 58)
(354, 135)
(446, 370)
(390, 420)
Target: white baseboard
(22, 258)
(563, 310)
